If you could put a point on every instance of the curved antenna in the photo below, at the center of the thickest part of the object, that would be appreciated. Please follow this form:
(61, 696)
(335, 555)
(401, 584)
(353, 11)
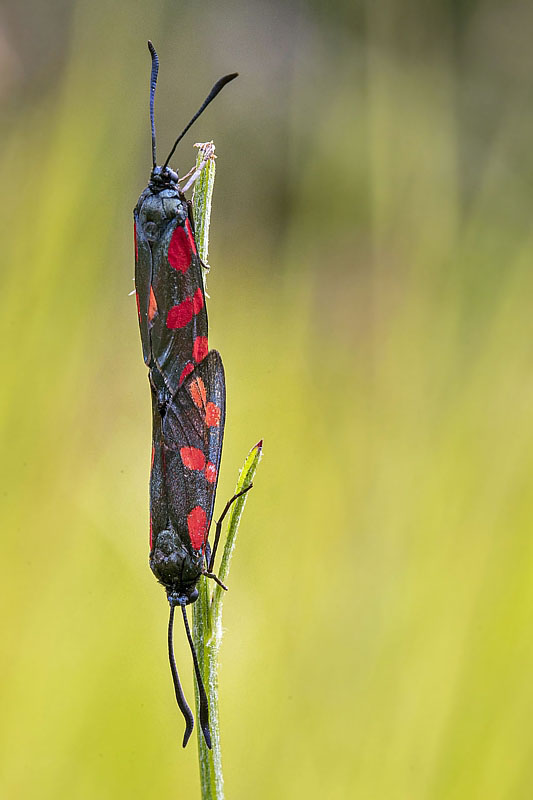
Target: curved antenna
(204, 708)
(211, 96)
(153, 82)
(180, 697)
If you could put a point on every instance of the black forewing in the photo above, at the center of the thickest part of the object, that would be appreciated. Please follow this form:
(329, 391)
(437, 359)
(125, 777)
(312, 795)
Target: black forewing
(158, 491)
(143, 278)
(172, 348)
(185, 426)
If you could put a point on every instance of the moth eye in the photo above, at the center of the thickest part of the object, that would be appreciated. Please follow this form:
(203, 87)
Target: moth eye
(150, 230)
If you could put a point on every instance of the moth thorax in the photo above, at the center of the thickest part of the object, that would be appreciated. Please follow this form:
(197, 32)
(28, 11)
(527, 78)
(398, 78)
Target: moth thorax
(157, 210)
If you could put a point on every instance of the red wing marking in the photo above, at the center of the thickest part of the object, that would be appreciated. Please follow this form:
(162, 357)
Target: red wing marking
(152, 306)
(212, 415)
(210, 472)
(180, 250)
(198, 301)
(153, 454)
(197, 526)
(200, 348)
(198, 393)
(179, 316)
(187, 369)
(138, 304)
(190, 237)
(192, 458)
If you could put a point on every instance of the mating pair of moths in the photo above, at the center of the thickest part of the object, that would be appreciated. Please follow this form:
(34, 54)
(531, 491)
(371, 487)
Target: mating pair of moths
(188, 394)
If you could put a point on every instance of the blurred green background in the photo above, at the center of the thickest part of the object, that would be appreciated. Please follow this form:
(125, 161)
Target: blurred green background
(371, 286)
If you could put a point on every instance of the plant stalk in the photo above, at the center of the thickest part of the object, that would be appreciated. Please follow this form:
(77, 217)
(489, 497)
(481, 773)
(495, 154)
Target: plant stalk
(207, 610)
(207, 634)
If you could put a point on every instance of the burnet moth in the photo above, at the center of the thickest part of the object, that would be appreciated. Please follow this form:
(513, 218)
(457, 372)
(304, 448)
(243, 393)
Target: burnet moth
(188, 394)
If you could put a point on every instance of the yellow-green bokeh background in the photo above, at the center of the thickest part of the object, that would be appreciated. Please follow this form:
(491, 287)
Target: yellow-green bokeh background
(371, 295)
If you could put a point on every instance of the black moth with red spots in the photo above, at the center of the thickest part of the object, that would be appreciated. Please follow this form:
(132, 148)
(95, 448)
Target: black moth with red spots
(188, 394)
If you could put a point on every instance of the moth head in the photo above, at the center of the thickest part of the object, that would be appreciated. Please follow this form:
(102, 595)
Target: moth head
(164, 176)
(182, 597)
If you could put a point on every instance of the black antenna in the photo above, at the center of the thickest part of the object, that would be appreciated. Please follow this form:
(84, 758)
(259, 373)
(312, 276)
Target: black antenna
(211, 96)
(153, 82)
(204, 708)
(180, 697)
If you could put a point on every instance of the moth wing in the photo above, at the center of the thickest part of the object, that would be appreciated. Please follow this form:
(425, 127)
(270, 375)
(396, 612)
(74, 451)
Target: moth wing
(143, 280)
(192, 436)
(178, 325)
(158, 494)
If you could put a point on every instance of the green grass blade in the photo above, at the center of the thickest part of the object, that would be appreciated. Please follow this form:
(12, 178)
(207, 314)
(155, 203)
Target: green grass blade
(246, 477)
(202, 200)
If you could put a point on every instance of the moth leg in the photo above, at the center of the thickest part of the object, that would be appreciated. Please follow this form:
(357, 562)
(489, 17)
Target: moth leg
(207, 554)
(187, 175)
(208, 151)
(216, 579)
(220, 520)
(193, 177)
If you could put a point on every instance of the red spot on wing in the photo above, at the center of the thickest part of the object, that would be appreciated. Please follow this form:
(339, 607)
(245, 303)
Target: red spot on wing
(198, 301)
(200, 348)
(138, 304)
(197, 392)
(197, 526)
(190, 237)
(212, 415)
(179, 250)
(187, 369)
(152, 306)
(192, 458)
(153, 454)
(210, 472)
(179, 316)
